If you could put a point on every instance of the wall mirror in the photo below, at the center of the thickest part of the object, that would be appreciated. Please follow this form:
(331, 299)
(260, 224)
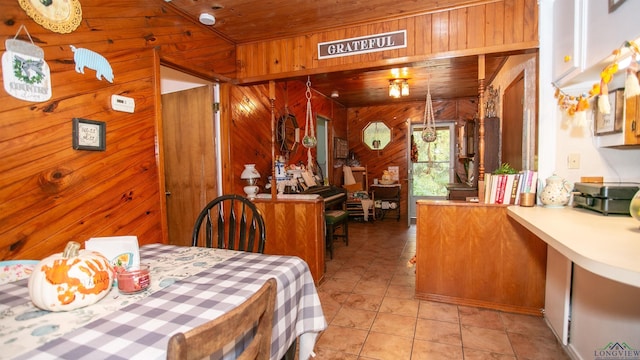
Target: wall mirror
(287, 133)
(376, 135)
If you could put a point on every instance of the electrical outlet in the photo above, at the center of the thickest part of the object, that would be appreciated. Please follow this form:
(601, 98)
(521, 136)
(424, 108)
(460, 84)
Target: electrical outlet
(573, 161)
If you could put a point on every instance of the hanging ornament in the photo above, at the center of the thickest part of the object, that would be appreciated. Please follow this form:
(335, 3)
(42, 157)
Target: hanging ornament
(631, 85)
(429, 122)
(25, 73)
(309, 140)
(604, 106)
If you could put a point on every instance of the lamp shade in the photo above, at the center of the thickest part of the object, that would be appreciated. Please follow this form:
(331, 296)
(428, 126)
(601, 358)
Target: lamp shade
(251, 175)
(250, 172)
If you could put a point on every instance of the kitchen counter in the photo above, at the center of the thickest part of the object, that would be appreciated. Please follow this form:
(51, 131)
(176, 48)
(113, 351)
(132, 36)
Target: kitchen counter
(608, 246)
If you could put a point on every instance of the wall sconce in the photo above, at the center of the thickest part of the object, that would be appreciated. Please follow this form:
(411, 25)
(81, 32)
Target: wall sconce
(398, 88)
(251, 175)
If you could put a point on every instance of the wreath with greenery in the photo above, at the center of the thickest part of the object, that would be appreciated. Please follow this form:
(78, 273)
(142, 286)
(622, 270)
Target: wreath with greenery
(18, 71)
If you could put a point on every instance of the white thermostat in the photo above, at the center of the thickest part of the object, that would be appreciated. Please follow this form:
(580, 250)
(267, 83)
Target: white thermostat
(122, 103)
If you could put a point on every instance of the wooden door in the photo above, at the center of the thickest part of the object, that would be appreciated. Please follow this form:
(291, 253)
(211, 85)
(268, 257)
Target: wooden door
(190, 158)
(512, 123)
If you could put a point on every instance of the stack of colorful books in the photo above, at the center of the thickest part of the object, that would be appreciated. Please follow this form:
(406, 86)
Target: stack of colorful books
(506, 188)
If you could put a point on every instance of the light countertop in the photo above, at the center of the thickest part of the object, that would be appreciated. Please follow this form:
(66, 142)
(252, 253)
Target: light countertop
(608, 246)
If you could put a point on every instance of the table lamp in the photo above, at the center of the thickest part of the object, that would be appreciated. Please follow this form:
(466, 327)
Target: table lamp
(251, 175)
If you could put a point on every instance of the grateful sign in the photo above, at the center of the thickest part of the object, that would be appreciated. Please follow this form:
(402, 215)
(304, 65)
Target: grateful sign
(363, 44)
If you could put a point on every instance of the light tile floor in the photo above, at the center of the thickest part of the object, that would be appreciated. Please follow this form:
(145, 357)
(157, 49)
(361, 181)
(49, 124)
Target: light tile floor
(368, 300)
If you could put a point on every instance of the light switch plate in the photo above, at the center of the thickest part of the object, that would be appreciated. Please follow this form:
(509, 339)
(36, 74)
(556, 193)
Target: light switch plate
(573, 161)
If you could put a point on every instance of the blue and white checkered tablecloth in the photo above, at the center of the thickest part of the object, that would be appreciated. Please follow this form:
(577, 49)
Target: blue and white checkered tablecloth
(142, 329)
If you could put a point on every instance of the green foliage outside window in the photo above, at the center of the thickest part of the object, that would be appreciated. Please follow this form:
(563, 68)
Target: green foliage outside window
(431, 171)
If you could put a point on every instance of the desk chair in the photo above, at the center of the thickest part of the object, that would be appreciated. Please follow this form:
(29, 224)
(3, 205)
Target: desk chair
(232, 222)
(212, 336)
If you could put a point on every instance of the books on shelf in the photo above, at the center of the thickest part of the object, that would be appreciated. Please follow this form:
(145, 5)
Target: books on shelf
(506, 188)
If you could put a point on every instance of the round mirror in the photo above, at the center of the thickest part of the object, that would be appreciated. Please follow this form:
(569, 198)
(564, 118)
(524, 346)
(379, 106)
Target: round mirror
(376, 135)
(287, 133)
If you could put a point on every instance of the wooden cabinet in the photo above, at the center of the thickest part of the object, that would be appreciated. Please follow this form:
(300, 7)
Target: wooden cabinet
(629, 136)
(631, 129)
(473, 254)
(296, 228)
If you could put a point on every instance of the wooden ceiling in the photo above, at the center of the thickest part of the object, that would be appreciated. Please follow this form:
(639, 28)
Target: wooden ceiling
(449, 78)
(243, 21)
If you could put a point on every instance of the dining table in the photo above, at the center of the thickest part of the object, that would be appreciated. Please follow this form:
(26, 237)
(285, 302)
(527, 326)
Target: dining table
(189, 286)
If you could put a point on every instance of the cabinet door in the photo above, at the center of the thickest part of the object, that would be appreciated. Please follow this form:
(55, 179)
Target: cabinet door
(630, 126)
(605, 316)
(568, 39)
(557, 294)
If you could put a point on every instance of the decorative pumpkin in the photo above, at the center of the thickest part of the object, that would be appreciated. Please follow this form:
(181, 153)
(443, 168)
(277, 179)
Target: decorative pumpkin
(70, 280)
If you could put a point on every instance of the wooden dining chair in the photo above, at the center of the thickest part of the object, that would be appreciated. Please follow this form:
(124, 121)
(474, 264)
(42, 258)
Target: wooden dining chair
(230, 222)
(208, 338)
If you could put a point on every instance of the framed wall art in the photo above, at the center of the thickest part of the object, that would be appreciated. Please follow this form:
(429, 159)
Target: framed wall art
(612, 122)
(89, 135)
(340, 148)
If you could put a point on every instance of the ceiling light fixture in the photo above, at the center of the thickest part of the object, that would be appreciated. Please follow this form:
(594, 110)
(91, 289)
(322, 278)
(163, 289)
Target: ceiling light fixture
(335, 94)
(207, 19)
(398, 88)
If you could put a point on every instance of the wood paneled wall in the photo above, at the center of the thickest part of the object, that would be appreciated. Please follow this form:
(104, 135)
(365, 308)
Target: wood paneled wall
(398, 117)
(249, 129)
(502, 25)
(51, 194)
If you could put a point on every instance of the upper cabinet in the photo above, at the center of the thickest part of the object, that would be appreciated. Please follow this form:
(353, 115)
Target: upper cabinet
(584, 35)
(568, 39)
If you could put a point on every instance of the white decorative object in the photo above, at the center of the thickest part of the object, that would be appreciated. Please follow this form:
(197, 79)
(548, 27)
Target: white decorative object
(91, 59)
(121, 251)
(251, 175)
(25, 74)
(556, 192)
(70, 280)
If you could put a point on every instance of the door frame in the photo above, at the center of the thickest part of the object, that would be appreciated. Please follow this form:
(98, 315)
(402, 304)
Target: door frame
(175, 81)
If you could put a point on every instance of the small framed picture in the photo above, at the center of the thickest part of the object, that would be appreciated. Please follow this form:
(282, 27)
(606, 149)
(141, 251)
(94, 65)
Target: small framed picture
(89, 135)
(340, 148)
(612, 122)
